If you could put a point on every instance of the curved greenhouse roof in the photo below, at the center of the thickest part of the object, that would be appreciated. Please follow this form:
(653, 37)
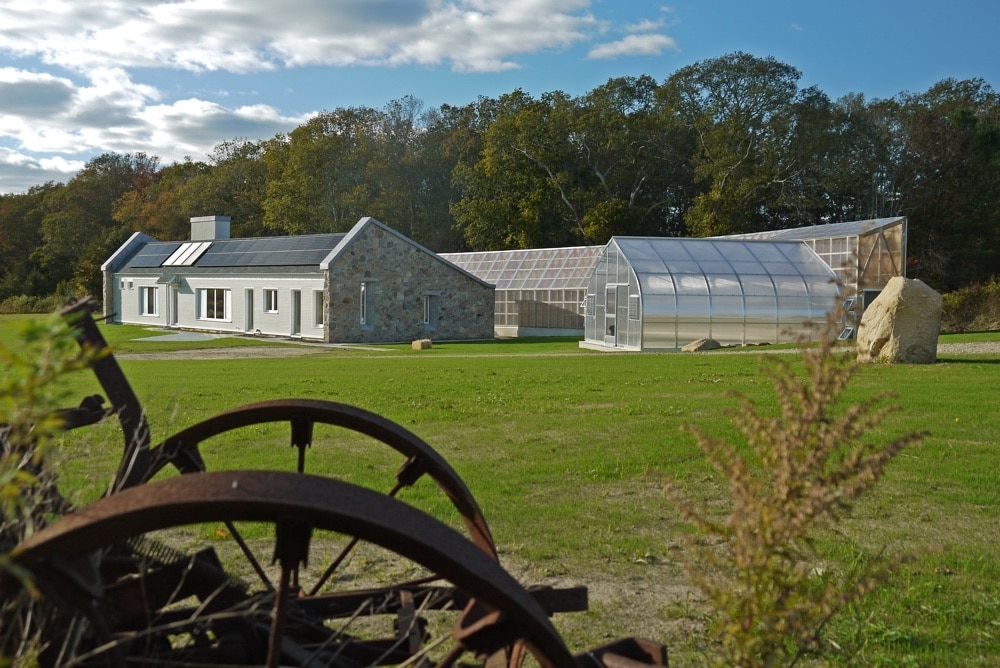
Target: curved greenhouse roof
(663, 293)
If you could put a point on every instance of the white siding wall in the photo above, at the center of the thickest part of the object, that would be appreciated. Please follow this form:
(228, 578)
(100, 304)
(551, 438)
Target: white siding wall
(189, 308)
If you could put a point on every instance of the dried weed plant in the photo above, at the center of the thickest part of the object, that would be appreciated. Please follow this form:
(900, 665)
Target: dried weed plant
(769, 586)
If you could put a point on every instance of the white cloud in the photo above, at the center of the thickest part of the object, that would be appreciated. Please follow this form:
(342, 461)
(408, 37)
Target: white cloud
(634, 45)
(255, 35)
(19, 172)
(79, 86)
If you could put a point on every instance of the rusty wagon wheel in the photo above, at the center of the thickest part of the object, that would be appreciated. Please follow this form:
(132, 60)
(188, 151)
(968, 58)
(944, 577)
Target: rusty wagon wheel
(186, 451)
(118, 608)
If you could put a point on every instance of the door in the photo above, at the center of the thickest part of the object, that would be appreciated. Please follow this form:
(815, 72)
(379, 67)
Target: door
(611, 315)
(171, 306)
(248, 310)
(296, 312)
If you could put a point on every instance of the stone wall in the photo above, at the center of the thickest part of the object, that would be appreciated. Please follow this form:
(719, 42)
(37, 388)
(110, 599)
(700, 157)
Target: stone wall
(398, 274)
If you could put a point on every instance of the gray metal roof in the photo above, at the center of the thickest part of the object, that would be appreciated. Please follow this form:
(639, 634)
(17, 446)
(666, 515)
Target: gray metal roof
(298, 251)
(532, 269)
(830, 230)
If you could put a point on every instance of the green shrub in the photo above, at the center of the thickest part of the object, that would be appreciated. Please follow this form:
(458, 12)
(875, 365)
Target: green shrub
(770, 589)
(972, 309)
(30, 304)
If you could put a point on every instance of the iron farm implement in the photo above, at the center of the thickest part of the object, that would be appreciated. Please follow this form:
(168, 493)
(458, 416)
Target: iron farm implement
(253, 567)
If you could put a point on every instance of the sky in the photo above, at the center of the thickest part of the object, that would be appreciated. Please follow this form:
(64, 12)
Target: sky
(175, 78)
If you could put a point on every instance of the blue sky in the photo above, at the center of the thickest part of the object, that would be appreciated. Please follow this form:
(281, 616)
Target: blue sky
(173, 78)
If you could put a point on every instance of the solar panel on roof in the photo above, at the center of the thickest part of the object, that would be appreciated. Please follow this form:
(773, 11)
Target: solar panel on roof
(152, 255)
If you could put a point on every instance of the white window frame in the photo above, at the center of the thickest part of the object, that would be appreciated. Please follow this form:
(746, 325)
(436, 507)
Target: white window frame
(317, 308)
(363, 305)
(149, 301)
(227, 304)
(270, 300)
(430, 308)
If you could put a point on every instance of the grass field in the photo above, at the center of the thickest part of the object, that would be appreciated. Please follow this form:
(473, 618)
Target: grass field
(566, 452)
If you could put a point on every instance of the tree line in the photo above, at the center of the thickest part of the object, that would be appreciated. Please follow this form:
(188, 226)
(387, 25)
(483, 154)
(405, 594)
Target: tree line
(726, 145)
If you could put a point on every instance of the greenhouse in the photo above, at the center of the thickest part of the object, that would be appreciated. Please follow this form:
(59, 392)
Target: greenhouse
(654, 293)
(539, 292)
(865, 254)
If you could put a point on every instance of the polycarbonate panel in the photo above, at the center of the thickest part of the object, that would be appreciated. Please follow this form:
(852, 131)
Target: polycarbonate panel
(656, 284)
(790, 285)
(727, 307)
(725, 285)
(749, 268)
(658, 306)
(757, 285)
(685, 267)
(659, 333)
(693, 307)
(761, 308)
(702, 253)
(688, 284)
(761, 332)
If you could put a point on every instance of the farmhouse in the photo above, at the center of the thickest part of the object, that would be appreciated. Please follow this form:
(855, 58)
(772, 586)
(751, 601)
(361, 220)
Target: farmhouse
(656, 293)
(371, 284)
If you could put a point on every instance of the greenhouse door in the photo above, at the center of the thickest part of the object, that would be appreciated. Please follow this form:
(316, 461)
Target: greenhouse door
(611, 314)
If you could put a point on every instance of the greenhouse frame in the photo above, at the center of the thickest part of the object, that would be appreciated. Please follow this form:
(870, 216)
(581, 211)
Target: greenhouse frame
(655, 293)
(539, 292)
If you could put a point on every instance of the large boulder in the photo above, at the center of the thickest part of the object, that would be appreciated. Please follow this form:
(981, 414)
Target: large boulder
(902, 324)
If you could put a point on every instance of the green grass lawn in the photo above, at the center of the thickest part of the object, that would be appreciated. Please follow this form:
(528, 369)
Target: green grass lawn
(566, 451)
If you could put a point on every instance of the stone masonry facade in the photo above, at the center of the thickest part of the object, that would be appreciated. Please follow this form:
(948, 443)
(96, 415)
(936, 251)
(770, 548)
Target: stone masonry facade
(403, 285)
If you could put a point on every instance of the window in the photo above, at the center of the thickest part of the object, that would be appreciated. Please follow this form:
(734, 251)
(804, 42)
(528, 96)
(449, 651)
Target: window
(430, 309)
(215, 304)
(270, 301)
(633, 307)
(363, 304)
(318, 308)
(148, 301)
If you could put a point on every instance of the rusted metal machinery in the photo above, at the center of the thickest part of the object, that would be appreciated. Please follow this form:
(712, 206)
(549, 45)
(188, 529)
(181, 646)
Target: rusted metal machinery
(131, 579)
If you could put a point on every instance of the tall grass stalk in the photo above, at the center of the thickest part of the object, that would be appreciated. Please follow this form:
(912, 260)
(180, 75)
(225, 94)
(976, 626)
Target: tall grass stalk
(799, 471)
